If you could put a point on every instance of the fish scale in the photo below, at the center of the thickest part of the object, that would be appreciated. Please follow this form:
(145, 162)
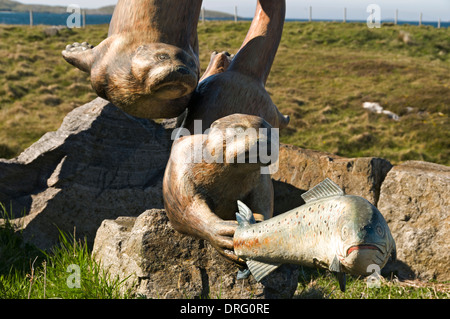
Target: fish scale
(319, 233)
(299, 231)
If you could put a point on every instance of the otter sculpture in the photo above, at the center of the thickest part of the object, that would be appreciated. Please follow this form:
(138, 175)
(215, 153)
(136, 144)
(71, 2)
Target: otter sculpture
(238, 86)
(200, 194)
(148, 66)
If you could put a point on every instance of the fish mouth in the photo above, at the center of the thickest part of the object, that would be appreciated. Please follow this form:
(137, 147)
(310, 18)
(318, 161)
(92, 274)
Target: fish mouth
(361, 256)
(362, 247)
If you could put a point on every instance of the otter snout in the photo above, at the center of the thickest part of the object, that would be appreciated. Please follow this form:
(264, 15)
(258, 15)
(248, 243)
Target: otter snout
(165, 71)
(182, 69)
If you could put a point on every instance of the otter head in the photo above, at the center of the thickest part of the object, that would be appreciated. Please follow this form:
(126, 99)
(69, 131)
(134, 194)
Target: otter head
(241, 140)
(152, 80)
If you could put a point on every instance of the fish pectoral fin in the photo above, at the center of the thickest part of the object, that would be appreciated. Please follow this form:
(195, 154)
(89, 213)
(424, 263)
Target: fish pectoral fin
(337, 269)
(243, 274)
(342, 279)
(335, 265)
(393, 256)
(261, 269)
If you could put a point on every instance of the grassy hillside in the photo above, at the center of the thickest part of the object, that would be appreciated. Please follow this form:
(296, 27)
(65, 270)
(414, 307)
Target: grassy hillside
(322, 74)
(9, 5)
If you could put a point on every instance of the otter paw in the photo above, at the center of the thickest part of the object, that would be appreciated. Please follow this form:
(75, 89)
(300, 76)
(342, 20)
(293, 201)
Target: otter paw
(80, 55)
(223, 58)
(221, 238)
(78, 47)
(218, 64)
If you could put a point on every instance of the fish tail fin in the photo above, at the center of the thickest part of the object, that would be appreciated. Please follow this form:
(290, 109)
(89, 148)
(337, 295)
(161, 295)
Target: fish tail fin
(244, 216)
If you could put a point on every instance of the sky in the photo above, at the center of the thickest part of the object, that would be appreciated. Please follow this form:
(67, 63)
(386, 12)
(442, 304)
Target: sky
(431, 10)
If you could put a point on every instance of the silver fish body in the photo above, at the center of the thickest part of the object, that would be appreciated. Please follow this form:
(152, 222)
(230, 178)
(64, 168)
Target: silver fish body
(343, 233)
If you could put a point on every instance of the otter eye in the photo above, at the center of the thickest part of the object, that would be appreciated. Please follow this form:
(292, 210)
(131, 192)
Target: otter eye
(162, 56)
(239, 129)
(379, 230)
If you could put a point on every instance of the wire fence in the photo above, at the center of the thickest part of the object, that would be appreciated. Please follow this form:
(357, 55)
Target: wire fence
(310, 13)
(372, 15)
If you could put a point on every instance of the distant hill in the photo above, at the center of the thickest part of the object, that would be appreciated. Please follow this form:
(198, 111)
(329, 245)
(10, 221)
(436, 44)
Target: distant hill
(8, 5)
(14, 6)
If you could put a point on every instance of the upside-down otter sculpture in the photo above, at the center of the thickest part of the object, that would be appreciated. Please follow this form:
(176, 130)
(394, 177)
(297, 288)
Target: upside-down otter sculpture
(200, 195)
(238, 86)
(148, 66)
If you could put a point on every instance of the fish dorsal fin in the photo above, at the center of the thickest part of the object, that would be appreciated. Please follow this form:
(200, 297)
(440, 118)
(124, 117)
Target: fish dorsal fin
(245, 215)
(326, 188)
(260, 269)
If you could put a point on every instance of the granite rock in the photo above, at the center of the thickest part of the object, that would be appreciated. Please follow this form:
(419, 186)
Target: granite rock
(101, 163)
(415, 201)
(159, 262)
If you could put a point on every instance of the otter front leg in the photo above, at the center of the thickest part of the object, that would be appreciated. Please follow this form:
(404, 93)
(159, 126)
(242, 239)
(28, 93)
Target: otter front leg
(80, 55)
(221, 238)
(199, 221)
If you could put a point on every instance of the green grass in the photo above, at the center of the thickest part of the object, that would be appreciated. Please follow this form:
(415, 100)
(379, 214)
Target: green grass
(29, 273)
(318, 284)
(322, 74)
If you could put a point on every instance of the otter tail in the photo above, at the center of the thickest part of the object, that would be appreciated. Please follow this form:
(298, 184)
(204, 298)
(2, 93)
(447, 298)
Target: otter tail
(257, 53)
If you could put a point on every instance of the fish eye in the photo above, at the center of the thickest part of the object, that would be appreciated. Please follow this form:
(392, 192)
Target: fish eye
(344, 233)
(380, 230)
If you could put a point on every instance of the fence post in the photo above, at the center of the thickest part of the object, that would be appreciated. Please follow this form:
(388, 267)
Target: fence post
(203, 15)
(439, 23)
(84, 18)
(420, 19)
(31, 18)
(235, 14)
(310, 13)
(396, 16)
(345, 15)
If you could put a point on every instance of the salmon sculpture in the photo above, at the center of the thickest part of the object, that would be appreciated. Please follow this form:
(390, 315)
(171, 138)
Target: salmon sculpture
(342, 233)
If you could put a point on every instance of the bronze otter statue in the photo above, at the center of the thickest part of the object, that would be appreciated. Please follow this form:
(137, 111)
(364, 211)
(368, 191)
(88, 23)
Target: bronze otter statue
(237, 86)
(148, 66)
(200, 194)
